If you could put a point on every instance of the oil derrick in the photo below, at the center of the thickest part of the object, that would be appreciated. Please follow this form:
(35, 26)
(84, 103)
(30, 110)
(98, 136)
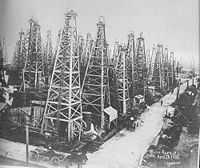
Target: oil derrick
(85, 52)
(63, 111)
(18, 60)
(19, 55)
(4, 51)
(192, 67)
(33, 69)
(130, 60)
(157, 78)
(123, 82)
(81, 48)
(96, 96)
(87, 49)
(151, 64)
(181, 65)
(3, 57)
(109, 55)
(165, 70)
(148, 64)
(174, 82)
(48, 58)
(114, 98)
(57, 43)
(115, 53)
(81, 57)
(1, 63)
(177, 68)
(140, 74)
(171, 70)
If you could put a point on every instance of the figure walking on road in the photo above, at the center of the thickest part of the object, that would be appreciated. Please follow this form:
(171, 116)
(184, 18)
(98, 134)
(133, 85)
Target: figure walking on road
(161, 102)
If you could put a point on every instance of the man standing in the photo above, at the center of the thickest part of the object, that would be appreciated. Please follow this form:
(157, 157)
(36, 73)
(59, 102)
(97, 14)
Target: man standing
(161, 102)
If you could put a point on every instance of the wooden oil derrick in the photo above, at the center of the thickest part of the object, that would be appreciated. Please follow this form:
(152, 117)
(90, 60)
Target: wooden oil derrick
(4, 50)
(151, 64)
(157, 78)
(114, 97)
(181, 64)
(113, 86)
(81, 48)
(33, 71)
(18, 61)
(48, 58)
(57, 44)
(148, 64)
(63, 111)
(95, 92)
(130, 59)
(140, 74)
(115, 54)
(192, 67)
(1, 62)
(174, 82)
(177, 68)
(170, 70)
(87, 49)
(150, 58)
(109, 55)
(165, 70)
(19, 55)
(123, 82)
(3, 57)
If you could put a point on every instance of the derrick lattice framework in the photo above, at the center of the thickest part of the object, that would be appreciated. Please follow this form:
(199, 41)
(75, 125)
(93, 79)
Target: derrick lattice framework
(4, 50)
(152, 64)
(122, 79)
(81, 44)
(33, 71)
(63, 111)
(1, 62)
(140, 73)
(165, 65)
(96, 96)
(130, 56)
(157, 78)
(148, 63)
(115, 53)
(48, 57)
(192, 67)
(87, 49)
(171, 70)
(19, 55)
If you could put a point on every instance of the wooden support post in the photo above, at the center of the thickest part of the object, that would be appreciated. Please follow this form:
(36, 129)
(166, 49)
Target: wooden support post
(187, 83)
(192, 81)
(27, 139)
(178, 88)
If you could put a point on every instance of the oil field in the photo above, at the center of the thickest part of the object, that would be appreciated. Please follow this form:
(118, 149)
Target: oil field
(84, 103)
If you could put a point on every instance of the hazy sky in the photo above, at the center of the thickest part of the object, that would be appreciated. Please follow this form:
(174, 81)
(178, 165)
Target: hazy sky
(170, 22)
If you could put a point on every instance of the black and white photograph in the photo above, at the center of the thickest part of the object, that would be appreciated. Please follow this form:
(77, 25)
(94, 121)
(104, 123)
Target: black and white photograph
(99, 84)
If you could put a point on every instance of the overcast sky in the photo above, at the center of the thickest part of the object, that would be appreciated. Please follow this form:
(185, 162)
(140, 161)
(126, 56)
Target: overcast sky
(170, 22)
